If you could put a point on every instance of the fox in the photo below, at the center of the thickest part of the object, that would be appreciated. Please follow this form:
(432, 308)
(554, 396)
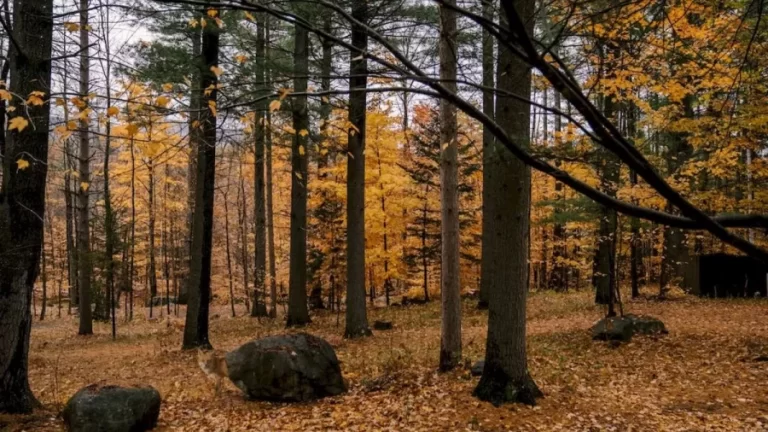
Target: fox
(214, 365)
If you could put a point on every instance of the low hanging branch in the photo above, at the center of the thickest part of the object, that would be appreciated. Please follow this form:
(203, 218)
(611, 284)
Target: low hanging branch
(604, 132)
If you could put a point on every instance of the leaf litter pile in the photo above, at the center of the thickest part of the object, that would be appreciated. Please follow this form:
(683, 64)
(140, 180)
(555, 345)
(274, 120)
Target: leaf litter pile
(708, 373)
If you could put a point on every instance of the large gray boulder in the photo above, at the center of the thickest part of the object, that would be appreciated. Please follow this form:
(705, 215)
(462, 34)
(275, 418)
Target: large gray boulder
(622, 328)
(286, 368)
(112, 409)
(647, 325)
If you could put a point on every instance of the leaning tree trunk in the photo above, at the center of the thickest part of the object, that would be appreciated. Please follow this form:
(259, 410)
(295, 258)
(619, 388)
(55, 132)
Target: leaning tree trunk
(83, 235)
(199, 290)
(505, 375)
(450, 340)
(298, 313)
(22, 200)
(357, 319)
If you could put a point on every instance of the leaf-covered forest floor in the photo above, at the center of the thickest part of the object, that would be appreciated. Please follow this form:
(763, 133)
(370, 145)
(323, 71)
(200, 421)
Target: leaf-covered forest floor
(705, 375)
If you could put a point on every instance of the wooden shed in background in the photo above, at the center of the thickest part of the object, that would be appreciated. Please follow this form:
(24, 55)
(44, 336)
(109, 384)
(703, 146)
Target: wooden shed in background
(722, 275)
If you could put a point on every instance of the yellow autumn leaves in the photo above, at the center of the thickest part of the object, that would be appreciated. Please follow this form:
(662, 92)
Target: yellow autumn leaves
(203, 23)
(19, 123)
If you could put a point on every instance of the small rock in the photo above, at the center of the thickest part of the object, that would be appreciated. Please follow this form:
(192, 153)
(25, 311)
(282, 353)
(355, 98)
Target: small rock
(111, 408)
(286, 368)
(382, 325)
(613, 328)
(622, 328)
(477, 368)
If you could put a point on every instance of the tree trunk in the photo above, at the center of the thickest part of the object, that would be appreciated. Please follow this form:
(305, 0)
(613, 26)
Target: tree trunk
(387, 279)
(44, 271)
(132, 270)
(488, 141)
(177, 258)
(152, 262)
(109, 223)
(371, 286)
(505, 268)
(72, 267)
(558, 279)
(424, 253)
(675, 248)
(167, 238)
(357, 320)
(270, 225)
(22, 201)
(83, 235)
(270, 210)
(199, 290)
(229, 255)
(635, 252)
(244, 239)
(259, 303)
(298, 314)
(194, 132)
(605, 275)
(450, 340)
(53, 259)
